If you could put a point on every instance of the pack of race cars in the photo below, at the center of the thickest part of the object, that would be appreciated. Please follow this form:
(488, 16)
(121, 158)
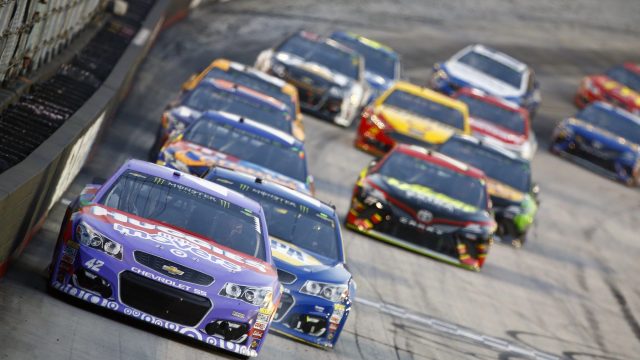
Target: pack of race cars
(222, 240)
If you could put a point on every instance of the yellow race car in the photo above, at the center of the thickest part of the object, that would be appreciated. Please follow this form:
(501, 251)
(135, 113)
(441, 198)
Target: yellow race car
(410, 114)
(254, 79)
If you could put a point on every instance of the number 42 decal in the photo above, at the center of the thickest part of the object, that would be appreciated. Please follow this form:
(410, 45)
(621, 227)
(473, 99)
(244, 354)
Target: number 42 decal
(94, 264)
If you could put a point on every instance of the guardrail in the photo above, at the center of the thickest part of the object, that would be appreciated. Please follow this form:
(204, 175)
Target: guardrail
(29, 189)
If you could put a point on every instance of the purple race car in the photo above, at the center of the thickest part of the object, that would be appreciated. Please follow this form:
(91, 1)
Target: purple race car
(173, 250)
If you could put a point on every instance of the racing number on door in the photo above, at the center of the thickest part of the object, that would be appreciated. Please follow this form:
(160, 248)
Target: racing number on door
(94, 264)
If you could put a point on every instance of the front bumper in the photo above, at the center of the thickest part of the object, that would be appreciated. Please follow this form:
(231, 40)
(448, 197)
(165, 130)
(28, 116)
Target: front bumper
(446, 246)
(122, 289)
(310, 319)
(608, 165)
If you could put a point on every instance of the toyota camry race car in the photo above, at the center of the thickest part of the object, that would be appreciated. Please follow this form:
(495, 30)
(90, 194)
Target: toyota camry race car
(227, 140)
(486, 69)
(514, 197)
(223, 95)
(604, 138)
(619, 86)
(500, 120)
(329, 77)
(425, 202)
(254, 79)
(410, 114)
(306, 245)
(174, 251)
(382, 64)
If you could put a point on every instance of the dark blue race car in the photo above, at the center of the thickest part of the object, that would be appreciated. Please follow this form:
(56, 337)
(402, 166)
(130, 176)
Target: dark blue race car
(486, 69)
(306, 244)
(382, 64)
(602, 137)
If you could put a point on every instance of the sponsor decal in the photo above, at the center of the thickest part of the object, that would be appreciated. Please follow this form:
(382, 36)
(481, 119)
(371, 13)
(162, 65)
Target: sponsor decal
(496, 188)
(94, 265)
(237, 314)
(291, 254)
(318, 308)
(69, 254)
(266, 311)
(257, 334)
(338, 313)
(183, 330)
(418, 225)
(260, 325)
(169, 282)
(181, 244)
(430, 196)
(424, 215)
(262, 318)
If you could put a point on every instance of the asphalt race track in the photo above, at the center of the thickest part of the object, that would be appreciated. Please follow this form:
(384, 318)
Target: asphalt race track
(568, 293)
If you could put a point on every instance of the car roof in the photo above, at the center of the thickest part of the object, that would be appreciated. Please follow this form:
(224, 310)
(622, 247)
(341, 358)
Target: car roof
(495, 55)
(494, 100)
(253, 127)
(488, 144)
(273, 188)
(191, 181)
(428, 94)
(615, 109)
(249, 93)
(363, 40)
(439, 159)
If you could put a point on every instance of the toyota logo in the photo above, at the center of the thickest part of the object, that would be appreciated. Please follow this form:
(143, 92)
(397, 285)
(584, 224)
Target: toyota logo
(425, 216)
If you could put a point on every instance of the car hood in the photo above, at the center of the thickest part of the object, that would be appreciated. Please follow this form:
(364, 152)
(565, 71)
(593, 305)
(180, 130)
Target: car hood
(305, 264)
(619, 90)
(176, 245)
(192, 154)
(486, 128)
(311, 73)
(377, 82)
(501, 190)
(415, 198)
(415, 126)
(185, 114)
(480, 80)
(597, 137)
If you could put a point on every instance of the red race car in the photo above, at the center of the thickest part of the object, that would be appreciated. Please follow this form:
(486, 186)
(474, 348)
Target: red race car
(619, 86)
(503, 121)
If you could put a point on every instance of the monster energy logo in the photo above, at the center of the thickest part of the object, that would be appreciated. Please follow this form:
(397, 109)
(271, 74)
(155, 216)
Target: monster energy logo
(304, 209)
(157, 180)
(244, 187)
(225, 204)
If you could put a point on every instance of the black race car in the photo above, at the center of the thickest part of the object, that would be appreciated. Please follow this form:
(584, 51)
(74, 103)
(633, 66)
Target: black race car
(425, 202)
(329, 76)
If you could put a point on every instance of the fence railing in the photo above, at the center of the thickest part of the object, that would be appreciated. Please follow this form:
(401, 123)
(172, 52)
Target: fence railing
(33, 31)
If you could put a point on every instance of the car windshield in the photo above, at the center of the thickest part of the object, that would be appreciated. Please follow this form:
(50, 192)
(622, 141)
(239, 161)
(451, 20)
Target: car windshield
(180, 206)
(440, 179)
(376, 61)
(293, 222)
(245, 145)
(611, 121)
(626, 77)
(495, 165)
(423, 107)
(254, 82)
(494, 68)
(343, 62)
(205, 98)
(507, 119)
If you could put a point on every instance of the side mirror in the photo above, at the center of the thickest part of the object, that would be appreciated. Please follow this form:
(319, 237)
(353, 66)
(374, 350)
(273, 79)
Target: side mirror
(535, 191)
(188, 85)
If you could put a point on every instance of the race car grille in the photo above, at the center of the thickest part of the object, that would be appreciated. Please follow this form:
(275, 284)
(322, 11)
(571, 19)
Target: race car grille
(173, 270)
(163, 301)
(286, 301)
(286, 277)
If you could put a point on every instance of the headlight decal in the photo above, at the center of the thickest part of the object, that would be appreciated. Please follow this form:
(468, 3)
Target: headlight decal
(258, 296)
(88, 236)
(331, 292)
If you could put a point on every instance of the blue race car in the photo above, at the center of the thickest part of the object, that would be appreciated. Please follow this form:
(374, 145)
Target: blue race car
(227, 140)
(223, 95)
(382, 64)
(174, 251)
(306, 244)
(486, 69)
(602, 137)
